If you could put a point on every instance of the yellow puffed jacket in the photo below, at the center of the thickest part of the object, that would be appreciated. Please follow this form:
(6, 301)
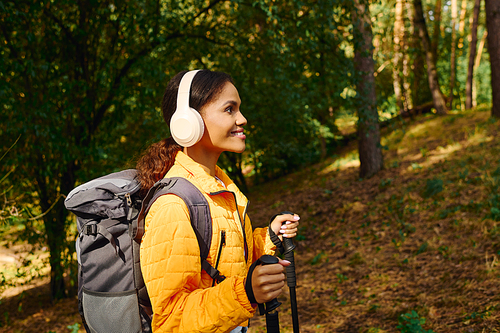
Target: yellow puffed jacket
(181, 293)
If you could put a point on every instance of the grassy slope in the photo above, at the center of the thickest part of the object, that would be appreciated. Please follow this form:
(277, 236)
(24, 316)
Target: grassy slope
(371, 250)
(414, 237)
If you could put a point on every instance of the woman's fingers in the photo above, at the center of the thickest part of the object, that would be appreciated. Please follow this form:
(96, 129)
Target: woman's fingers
(285, 225)
(268, 281)
(289, 228)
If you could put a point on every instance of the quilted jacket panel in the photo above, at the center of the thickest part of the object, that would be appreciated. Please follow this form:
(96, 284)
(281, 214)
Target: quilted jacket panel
(181, 293)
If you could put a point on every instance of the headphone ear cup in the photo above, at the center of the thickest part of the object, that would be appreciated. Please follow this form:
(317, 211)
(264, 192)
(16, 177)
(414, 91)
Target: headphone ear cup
(187, 127)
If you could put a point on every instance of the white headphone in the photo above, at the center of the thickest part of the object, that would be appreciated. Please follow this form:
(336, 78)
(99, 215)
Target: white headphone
(186, 124)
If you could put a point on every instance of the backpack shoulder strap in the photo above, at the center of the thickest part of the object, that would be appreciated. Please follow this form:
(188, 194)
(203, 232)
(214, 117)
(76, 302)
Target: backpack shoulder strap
(199, 212)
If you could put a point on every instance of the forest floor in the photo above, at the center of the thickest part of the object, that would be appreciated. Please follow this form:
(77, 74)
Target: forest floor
(413, 249)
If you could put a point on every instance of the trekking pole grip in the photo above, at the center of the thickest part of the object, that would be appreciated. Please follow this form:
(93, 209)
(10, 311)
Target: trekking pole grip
(291, 280)
(288, 247)
(273, 304)
(270, 309)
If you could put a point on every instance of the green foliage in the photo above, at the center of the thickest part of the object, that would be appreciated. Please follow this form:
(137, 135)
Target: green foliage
(341, 278)
(319, 257)
(385, 183)
(480, 315)
(74, 328)
(422, 248)
(412, 323)
(433, 187)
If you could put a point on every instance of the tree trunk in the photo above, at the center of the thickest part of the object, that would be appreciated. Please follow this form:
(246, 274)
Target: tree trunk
(437, 95)
(54, 219)
(418, 65)
(408, 40)
(472, 56)
(453, 61)
(461, 26)
(56, 240)
(476, 65)
(396, 60)
(437, 29)
(370, 152)
(492, 8)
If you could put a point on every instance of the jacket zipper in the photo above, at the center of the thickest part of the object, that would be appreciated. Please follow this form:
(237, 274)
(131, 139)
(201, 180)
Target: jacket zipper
(242, 222)
(221, 245)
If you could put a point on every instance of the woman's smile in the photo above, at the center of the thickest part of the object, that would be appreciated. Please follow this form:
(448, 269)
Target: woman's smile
(239, 133)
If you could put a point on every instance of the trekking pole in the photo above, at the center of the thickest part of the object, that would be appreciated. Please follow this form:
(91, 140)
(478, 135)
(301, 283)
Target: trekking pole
(286, 248)
(270, 308)
(287, 251)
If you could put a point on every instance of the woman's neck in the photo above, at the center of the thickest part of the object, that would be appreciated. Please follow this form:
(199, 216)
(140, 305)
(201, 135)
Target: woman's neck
(207, 160)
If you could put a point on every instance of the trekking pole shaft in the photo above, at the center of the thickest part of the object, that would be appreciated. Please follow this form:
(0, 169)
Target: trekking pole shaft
(295, 315)
(291, 281)
(272, 322)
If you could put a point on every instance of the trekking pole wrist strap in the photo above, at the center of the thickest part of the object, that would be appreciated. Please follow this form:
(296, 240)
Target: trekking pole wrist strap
(268, 306)
(274, 238)
(248, 283)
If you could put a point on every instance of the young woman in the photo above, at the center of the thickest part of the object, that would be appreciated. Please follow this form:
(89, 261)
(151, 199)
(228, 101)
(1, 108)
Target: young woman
(184, 297)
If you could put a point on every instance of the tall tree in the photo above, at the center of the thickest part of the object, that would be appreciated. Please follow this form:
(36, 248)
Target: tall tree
(472, 55)
(398, 55)
(436, 29)
(453, 49)
(370, 152)
(408, 40)
(432, 75)
(461, 26)
(477, 62)
(492, 8)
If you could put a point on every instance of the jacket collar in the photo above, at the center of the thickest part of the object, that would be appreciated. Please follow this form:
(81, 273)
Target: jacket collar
(203, 180)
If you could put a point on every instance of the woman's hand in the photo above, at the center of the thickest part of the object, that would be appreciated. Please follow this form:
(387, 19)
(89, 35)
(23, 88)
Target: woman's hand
(268, 281)
(285, 225)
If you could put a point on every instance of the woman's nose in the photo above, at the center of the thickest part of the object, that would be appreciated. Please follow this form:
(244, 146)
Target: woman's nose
(241, 121)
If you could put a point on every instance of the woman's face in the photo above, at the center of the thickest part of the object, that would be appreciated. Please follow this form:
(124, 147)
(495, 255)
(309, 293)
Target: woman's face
(224, 122)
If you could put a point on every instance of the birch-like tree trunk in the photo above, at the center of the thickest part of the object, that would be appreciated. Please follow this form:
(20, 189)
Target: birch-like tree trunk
(396, 60)
(461, 25)
(408, 37)
(492, 8)
(472, 55)
(432, 75)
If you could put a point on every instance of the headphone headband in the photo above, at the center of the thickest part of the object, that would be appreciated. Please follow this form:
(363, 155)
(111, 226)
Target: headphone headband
(185, 89)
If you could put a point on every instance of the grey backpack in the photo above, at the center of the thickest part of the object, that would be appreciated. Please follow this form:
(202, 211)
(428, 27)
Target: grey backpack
(110, 214)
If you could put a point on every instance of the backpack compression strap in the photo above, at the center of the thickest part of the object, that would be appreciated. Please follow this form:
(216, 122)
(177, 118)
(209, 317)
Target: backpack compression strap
(199, 213)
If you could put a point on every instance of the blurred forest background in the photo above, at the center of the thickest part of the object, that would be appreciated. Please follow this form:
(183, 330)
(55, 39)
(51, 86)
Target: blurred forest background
(80, 91)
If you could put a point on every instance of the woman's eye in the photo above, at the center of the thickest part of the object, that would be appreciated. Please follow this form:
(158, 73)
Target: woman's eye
(229, 109)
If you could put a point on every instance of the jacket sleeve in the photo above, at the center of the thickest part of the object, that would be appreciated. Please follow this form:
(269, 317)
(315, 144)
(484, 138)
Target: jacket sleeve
(262, 243)
(171, 266)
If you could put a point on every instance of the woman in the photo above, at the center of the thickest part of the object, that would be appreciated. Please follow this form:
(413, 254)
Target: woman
(185, 298)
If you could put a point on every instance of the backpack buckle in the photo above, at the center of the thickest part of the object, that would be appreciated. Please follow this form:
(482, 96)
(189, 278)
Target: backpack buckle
(219, 277)
(91, 229)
